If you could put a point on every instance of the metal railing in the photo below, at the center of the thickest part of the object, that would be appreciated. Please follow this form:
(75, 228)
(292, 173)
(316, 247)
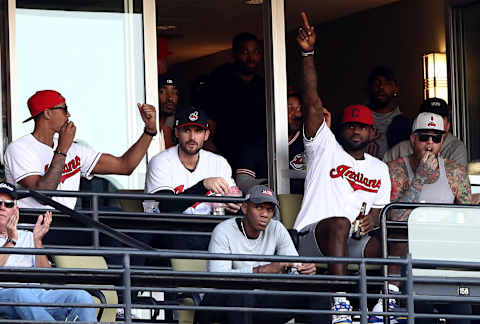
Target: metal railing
(362, 287)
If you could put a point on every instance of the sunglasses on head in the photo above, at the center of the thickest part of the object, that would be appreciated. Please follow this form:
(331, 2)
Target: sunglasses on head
(425, 137)
(64, 108)
(7, 203)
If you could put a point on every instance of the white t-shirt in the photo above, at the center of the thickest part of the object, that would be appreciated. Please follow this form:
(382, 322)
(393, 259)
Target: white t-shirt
(25, 240)
(27, 156)
(337, 184)
(166, 171)
(227, 238)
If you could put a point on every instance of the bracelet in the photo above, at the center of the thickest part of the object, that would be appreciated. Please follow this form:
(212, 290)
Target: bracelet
(61, 153)
(9, 240)
(308, 53)
(148, 133)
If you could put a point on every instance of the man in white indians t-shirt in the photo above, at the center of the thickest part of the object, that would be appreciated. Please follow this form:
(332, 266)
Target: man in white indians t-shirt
(340, 177)
(43, 160)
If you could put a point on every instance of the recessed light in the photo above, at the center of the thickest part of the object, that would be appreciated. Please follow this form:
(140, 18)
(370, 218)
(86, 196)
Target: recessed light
(253, 2)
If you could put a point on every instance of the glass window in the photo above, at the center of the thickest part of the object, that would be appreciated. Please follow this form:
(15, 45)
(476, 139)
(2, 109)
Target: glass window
(94, 58)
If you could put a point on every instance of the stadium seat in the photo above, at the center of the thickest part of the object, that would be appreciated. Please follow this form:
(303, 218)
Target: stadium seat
(186, 316)
(91, 262)
(290, 205)
(131, 205)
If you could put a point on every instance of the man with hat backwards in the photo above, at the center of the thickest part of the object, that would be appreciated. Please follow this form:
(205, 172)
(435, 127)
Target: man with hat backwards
(425, 176)
(11, 237)
(188, 169)
(168, 100)
(41, 160)
(452, 148)
(340, 178)
(256, 233)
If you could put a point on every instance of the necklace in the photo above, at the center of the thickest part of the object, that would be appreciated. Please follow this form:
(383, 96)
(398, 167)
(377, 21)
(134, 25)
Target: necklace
(254, 246)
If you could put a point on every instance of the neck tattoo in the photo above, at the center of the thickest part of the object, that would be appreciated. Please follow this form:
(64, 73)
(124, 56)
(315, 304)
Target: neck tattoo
(254, 246)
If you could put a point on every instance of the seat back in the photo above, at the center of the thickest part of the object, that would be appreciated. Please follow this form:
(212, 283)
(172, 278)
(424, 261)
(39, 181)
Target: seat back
(187, 316)
(91, 262)
(290, 205)
(131, 205)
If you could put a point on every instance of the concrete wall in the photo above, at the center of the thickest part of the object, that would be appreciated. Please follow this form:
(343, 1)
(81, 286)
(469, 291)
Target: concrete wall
(396, 35)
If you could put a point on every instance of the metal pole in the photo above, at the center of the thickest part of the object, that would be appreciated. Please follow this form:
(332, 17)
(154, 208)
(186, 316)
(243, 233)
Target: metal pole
(410, 292)
(383, 220)
(363, 291)
(96, 235)
(127, 292)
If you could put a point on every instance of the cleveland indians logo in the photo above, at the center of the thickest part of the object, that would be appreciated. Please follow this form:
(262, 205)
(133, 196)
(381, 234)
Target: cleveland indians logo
(432, 123)
(193, 116)
(267, 192)
(355, 113)
(69, 169)
(356, 179)
(298, 162)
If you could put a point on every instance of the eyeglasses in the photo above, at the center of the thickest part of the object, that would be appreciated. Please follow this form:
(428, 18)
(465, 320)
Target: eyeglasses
(425, 137)
(64, 108)
(7, 203)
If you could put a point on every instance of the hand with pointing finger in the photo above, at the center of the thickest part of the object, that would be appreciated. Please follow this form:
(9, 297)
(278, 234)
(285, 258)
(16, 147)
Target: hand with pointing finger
(306, 37)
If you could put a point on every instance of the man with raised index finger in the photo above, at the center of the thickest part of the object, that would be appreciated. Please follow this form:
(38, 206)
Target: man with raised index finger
(340, 177)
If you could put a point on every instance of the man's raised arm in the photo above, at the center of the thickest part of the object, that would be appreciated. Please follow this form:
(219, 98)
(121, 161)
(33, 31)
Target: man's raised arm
(314, 116)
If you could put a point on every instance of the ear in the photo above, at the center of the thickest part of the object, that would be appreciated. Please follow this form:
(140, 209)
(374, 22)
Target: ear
(243, 207)
(176, 132)
(412, 139)
(447, 127)
(207, 134)
(46, 113)
(371, 133)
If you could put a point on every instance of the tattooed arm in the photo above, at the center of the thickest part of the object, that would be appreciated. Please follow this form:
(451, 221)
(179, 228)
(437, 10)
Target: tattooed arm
(400, 186)
(459, 183)
(52, 177)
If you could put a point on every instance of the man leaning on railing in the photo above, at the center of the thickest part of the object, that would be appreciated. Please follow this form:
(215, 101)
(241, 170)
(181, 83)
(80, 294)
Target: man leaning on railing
(256, 233)
(11, 237)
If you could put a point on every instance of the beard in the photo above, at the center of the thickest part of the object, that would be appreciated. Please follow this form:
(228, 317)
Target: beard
(377, 103)
(350, 146)
(186, 150)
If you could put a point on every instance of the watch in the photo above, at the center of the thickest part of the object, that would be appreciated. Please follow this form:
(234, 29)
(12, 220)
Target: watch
(9, 240)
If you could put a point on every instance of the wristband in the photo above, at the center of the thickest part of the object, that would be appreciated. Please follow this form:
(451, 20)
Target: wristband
(9, 240)
(308, 53)
(148, 133)
(61, 153)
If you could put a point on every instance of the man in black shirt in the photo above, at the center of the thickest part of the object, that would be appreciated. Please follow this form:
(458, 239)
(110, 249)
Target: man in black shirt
(237, 98)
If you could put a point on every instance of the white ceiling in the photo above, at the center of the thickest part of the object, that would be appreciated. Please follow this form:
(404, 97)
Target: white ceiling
(206, 27)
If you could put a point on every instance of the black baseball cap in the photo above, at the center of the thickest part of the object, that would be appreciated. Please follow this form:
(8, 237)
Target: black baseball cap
(191, 117)
(436, 106)
(8, 189)
(261, 194)
(166, 79)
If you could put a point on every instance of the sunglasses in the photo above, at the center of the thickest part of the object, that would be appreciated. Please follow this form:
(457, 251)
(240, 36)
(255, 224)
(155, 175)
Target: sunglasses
(7, 203)
(425, 137)
(64, 108)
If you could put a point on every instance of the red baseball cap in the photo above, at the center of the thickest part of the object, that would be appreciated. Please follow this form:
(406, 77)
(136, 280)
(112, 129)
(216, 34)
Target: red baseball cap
(357, 114)
(43, 100)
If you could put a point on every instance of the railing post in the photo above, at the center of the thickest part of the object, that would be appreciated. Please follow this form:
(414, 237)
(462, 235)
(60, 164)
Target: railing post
(383, 219)
(363, 292)
(96, 234)
(410, 292)
(127, 292)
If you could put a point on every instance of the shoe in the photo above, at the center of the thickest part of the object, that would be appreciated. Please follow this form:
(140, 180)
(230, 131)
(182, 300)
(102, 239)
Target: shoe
(392, 307)
(341, 304)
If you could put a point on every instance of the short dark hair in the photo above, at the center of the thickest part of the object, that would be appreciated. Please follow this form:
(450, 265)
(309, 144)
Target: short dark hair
(381, 70)
(238, 40)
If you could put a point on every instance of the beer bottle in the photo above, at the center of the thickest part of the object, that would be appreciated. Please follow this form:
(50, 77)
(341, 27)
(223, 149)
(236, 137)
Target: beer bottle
(356, 233)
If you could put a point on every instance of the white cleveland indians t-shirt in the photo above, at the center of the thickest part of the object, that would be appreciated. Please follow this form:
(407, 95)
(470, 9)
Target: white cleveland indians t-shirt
(27, 156)
(166, 171)
(337, 184)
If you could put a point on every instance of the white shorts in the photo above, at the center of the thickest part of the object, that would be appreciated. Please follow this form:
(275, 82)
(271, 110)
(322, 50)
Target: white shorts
(308, 245)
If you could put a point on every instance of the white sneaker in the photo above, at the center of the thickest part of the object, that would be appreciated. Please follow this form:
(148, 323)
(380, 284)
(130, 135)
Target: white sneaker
(392, 307)
(341, 304)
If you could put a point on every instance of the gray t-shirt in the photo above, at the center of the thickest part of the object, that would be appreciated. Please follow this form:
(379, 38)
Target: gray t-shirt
(227, 238)
(452, 149)
(379, 144)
